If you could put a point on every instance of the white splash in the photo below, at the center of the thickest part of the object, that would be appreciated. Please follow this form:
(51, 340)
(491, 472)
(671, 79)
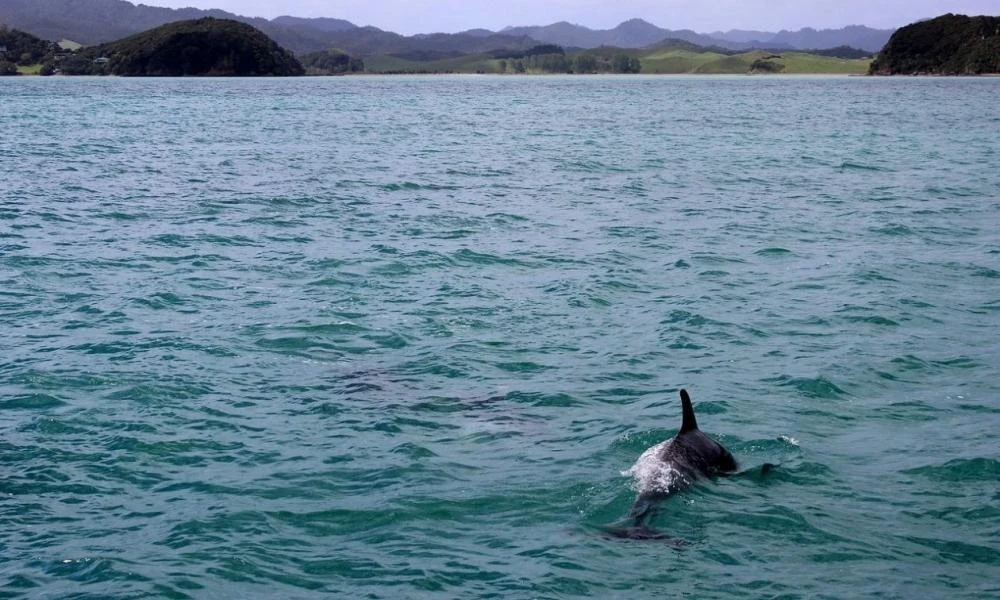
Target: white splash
(789, 440)
(651, 474)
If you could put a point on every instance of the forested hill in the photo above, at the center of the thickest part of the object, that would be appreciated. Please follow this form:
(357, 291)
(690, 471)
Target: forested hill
(208, 46)
(947, 45)
(20, 47)
(18, 43)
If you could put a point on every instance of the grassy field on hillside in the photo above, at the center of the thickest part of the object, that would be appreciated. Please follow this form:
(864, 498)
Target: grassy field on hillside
(661, 61)
(802, 63)
(677, 61)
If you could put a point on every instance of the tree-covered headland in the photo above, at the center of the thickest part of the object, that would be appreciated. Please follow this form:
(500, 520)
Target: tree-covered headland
(205, 47)
(946, 45)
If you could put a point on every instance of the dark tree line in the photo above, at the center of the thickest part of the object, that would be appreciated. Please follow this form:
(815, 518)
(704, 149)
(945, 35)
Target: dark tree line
(331, 62)
(549, 58)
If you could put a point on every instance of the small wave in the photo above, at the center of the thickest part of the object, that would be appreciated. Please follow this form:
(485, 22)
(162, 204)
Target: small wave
(392, 341)
(853, 166)
(960, 552)
(542, 399)
(627, 232)
(960, 362)
(170, 239)
(330, 282)
(291, 201)
(31, 402)
(161, 301)
(522, 367)
(909, 411)
(717, 259)
(893, 230)
(684, 343)
(148, 393)
(773, 252)
(910, 363)
(123, 216)
(453, 234)
(500, 217)
(468, 256)
(340, 327)
(392, 269)
(412, 186)
(480, 172)
(812, 387)
(92, 570)
(806, 474)
(308, 347)
(808, 286)
(986, 272)
(985, 470)
(791, 524)
(874, 320)
(872, 275)
(414, 451)
(683, 316)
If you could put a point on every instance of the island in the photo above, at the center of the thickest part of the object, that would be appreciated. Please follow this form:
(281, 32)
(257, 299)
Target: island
(946, 45)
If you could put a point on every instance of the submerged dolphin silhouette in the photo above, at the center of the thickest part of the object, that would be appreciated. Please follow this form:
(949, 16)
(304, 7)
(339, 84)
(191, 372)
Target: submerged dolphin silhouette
(671, 466)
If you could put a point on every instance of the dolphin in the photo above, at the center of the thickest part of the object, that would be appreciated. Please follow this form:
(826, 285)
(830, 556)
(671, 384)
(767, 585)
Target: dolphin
(670, 467)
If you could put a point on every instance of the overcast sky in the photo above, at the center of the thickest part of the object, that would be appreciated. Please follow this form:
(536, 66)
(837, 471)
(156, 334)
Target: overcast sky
(428, 16)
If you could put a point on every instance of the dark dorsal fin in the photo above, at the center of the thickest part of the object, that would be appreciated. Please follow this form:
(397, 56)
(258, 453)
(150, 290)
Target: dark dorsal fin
(688, 424)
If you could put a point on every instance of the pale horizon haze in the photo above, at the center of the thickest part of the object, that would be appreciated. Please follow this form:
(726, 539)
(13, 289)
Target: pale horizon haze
(704, 16)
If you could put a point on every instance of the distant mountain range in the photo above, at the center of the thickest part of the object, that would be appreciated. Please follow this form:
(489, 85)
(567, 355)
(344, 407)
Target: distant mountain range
(636, 33)
(98, 21)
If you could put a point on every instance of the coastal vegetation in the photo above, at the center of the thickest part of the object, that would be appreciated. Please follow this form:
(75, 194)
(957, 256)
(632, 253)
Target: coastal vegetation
(947, 45)
(671, 57)
(550, 58)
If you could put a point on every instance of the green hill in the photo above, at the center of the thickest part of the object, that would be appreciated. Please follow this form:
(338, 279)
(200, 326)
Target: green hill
(947, 45)
(679, 57)
(208, 46)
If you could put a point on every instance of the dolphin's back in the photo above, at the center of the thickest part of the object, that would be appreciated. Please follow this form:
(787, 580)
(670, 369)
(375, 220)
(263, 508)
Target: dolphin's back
(669, 467)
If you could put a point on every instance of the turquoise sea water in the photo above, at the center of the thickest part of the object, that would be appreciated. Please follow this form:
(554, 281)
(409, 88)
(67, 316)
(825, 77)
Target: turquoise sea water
(400, 337)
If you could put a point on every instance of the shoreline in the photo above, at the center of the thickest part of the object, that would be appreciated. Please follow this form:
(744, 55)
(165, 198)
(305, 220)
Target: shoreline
(528, 75)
